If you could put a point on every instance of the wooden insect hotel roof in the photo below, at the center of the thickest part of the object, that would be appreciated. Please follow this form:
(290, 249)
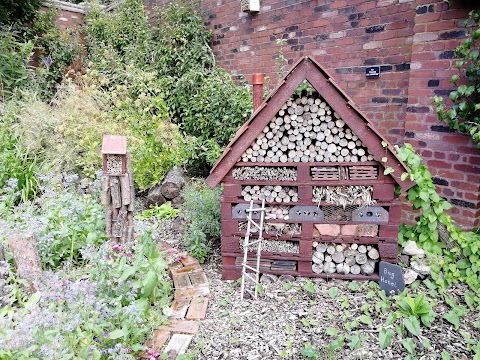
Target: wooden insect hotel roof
(307, 69)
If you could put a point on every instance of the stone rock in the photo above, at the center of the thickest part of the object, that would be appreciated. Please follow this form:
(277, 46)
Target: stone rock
(404, 260)
(412, 249)
(286, 278)
(155, 197)
(268, 278)
(420, 267)
(410, 276)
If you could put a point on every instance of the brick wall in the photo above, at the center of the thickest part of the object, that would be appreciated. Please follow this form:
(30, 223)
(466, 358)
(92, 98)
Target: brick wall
(411, 40)
(70, 16)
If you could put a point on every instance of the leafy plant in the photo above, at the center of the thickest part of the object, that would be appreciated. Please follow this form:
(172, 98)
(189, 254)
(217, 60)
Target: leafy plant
(201, 210)
(164, 211)
(18, 11)
(14, 57)
(464, 115)
(418, 307)
(460, 262)
(309, 287)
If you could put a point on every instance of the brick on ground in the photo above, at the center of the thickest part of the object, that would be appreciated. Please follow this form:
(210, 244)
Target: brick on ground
(178, 343)
(198, 308)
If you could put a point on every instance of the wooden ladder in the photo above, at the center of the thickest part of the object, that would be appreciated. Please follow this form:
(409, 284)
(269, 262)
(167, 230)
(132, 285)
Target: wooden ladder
(247, 244)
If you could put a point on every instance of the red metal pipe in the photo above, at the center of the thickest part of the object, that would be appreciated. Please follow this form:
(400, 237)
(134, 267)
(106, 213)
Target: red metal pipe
(257, 82)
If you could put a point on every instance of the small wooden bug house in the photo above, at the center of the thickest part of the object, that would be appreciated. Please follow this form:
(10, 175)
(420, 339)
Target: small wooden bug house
(319, 164)
(114, 152)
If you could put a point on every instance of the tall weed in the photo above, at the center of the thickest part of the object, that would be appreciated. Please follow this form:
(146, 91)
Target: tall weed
(201, 210)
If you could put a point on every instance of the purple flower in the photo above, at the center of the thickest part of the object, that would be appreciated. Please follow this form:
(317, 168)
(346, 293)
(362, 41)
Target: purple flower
(47, 61)
(105, 335)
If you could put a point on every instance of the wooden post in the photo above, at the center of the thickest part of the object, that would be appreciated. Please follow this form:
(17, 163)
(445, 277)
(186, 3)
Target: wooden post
(25, 255)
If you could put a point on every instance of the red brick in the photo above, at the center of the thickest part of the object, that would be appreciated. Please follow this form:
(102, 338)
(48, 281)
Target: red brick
(349, 230)
(328, 229)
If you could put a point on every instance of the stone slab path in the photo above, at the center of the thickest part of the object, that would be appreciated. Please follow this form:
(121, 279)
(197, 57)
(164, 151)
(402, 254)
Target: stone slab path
(189, 305)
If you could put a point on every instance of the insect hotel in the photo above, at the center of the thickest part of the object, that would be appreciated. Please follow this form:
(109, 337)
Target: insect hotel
(318, 166)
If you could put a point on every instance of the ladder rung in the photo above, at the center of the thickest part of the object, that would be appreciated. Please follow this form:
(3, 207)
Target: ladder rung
(257, 209)
(251, 268)
(253, 242)
(251, 278)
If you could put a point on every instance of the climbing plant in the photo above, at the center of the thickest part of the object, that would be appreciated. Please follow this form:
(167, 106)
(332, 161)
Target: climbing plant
(460, 260)
(464, 114)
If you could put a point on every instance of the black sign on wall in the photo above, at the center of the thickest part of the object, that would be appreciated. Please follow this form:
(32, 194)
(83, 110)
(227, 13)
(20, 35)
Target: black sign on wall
(372, 72)
(391, 278)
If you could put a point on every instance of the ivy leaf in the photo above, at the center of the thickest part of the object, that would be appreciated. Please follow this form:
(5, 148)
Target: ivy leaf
(413, 325)
(367, 320)
(388, 170)
(332, 331)
(385, 338)
(333, 292)
(309, 287)
(452, 318)
(409, 345)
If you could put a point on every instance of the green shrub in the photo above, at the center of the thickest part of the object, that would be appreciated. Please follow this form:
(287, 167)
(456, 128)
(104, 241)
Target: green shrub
(464, 115)
(14, 57)
(16, 161)
(18, 11)
(201, 210)
(461, 260)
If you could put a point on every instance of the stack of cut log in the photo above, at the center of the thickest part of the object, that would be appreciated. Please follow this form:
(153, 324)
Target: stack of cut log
(344, 259)
(276, 246)
(118, 195)
(277, 212)
(265, 173)
(169, 190)
(280, 194)
(306, 129)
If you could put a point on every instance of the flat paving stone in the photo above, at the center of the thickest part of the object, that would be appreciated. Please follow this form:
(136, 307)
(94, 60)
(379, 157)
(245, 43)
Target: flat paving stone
(198, 308)
(178, 343)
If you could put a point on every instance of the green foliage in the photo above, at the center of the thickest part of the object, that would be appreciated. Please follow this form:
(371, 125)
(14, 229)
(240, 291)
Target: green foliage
(413, 309)
(72, 222)
(201, 210)
(16, 161)
(197, 95)
(14, 57)
(54, 51)
(104, 310)
(164, 211)
(459, 263)
(464, 115)
(18, 11)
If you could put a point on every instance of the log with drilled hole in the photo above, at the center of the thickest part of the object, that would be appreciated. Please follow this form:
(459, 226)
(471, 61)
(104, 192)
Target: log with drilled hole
(344, 259)
(304, 132)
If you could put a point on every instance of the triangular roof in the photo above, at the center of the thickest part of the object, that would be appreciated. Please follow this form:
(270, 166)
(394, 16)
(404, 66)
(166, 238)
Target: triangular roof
(306, 68)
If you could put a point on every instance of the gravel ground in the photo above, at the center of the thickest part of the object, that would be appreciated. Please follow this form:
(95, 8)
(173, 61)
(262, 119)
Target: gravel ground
(286, 317)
